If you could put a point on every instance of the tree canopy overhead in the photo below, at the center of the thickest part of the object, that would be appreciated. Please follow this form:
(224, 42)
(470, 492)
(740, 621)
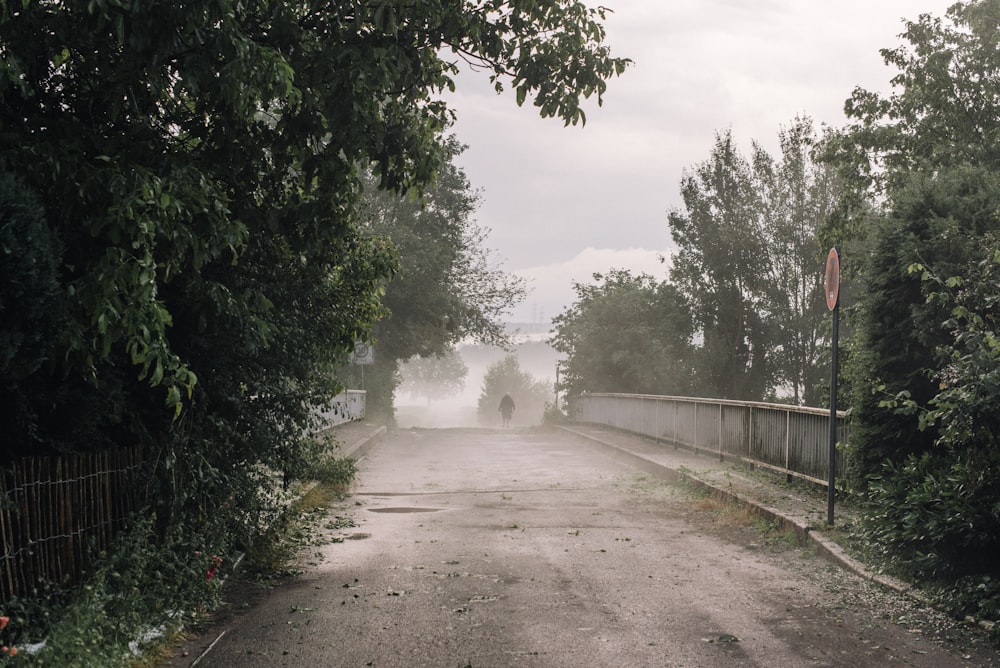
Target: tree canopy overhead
(182, 151)
(179, 191)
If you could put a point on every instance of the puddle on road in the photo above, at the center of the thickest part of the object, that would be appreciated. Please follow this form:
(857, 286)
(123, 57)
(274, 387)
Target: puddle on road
(404, 510)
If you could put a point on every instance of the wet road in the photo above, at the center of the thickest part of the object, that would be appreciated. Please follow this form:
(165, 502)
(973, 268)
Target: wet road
(533, 548)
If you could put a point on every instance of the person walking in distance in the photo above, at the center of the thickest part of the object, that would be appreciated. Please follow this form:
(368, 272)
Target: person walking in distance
(506, 409)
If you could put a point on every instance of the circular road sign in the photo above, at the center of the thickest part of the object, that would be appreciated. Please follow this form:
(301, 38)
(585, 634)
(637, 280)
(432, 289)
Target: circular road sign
(832, 278)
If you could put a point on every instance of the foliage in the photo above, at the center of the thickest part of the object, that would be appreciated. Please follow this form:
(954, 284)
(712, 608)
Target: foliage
(935, 515)
(337, 472)
(939, 221)
(625, 333)
(926, 157)
(138, 588)
(799, 195)
(187, 177)
(749, 264)
(939, 115)
(31, 310)
(720, 242)
(506, 377)
(434, 377)
(923, 201)
(939, 510)
(448, 288)
(169, 143)
(181, 198)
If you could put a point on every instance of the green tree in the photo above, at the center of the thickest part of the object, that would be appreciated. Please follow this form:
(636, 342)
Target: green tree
(434, 377)
(506, 377)
(188, 155)
(939, 115)
(936, 510)
(448, 288)
(720, 268)
(926, 157)
(31, 309)
(198, 168)
(750, 263)
(938, 220)
(799, 194)
(625, 333)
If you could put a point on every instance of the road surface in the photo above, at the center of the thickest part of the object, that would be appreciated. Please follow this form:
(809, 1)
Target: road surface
(534, 548)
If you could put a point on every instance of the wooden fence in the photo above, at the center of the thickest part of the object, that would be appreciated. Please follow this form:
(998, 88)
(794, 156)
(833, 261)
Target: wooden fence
(57, 513)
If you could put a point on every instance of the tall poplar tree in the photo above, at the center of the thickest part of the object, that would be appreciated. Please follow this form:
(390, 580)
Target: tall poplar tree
(798, 195)
(720, 267)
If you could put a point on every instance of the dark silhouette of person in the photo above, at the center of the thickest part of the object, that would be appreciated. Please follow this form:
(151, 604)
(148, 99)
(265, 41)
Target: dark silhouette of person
(506, 409)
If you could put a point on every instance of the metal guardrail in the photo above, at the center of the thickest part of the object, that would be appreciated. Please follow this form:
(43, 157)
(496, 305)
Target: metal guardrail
(793, 440)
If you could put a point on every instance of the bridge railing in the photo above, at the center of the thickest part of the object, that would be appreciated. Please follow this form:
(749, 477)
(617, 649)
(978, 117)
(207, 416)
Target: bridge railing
(347, 406)
(793, 440)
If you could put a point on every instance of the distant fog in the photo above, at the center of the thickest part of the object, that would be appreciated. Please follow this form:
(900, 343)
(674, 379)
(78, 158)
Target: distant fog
(534, 356)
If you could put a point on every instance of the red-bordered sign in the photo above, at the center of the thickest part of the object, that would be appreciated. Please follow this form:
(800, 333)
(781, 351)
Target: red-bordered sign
(832, 278)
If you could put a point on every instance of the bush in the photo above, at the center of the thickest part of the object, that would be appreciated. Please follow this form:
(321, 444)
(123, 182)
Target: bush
(142, 589)
(937, 513)
(938, 516)
(337, 472)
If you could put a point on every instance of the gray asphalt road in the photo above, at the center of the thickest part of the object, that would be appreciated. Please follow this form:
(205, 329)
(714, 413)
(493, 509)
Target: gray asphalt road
(533, 548)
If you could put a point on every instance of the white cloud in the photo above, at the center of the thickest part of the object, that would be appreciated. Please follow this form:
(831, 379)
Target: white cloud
(552, 194)
(552, 284)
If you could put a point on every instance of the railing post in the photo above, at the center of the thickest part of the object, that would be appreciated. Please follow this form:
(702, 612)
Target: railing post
(656, 420)
(788, 445)
(722, 457)
(695, 444)
(673, 435)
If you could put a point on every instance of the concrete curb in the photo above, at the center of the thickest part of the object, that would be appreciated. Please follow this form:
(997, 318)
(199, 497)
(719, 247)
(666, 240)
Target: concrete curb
(825, 547)
(359, 448)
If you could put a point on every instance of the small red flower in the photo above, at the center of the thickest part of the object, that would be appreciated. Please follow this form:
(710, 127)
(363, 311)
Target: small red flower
(4, 621)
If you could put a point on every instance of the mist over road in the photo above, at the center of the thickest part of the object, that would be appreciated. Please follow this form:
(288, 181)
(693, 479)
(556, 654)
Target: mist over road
(525, 547)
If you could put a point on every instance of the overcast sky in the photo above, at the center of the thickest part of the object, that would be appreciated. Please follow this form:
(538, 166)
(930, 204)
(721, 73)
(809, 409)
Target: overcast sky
(564, 202)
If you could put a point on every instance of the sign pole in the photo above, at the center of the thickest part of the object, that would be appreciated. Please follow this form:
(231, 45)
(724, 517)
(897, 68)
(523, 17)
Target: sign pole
(833, 303)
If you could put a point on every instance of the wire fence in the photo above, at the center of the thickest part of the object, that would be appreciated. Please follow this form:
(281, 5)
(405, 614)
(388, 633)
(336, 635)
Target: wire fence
(56, 513)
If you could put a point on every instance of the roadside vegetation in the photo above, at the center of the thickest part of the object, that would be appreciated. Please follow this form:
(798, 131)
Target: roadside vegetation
(145, 593)
(909, 191)
(191, 258)
(203, 209)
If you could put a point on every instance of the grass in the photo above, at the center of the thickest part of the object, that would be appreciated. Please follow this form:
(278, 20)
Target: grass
(729, 515)
(301, 525)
